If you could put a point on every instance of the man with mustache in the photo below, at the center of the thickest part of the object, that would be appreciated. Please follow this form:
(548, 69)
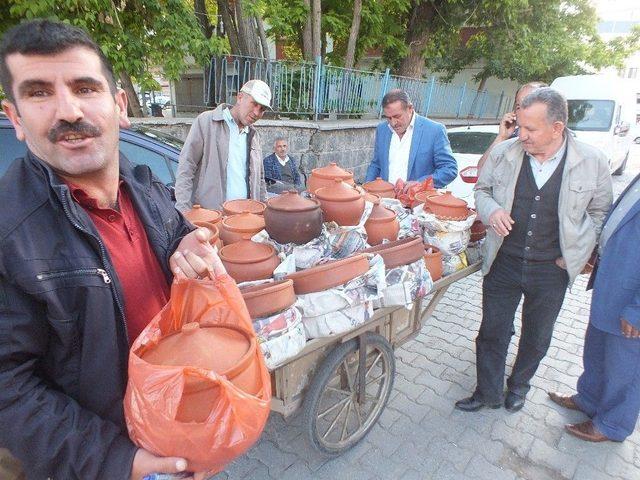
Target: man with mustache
(544, 196)
(222, 158)
(88, 247)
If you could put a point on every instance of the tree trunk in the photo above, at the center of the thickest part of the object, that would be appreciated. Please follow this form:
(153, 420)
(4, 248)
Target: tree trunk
(230, 26)
(418, 31)
(246, 32)
(200, 10)
(353, 34)
(134, 109)
(474, 105)
(317, 28)
(263, 37)
(307, 34)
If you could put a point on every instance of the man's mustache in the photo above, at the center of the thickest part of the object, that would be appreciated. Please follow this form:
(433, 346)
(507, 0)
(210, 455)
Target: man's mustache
(64, 128)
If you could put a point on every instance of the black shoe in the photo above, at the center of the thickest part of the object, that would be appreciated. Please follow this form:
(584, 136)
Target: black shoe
(513, 402)
(472, 404)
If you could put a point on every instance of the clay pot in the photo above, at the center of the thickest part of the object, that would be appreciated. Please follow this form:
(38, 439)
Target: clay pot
(324, 177)
(246, 260)
(233, 207)
(341, 203)
(421, 197)
(446, 206)
(382, 224)
(478, 231)
(224, 349)
(214, 240)
(290, 218)
(242, 226)
(268, 298)
(200, 214)
(329, 275)
(433, 261)
(399, 252)
(380, 188)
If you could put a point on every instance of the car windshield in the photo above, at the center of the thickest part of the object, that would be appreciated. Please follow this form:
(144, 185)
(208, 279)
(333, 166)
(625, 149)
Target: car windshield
(590, 115)
(470, 142)
(160, 136)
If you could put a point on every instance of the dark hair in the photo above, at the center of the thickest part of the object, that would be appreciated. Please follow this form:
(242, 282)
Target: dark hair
(46, 37)
(397, 95)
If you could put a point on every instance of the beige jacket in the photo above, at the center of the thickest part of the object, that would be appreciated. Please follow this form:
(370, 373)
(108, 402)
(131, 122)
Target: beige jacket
(585, 198)
(202, 168)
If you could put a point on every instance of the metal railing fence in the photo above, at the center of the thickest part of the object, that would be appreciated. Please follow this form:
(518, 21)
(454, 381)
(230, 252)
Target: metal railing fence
(316, 90)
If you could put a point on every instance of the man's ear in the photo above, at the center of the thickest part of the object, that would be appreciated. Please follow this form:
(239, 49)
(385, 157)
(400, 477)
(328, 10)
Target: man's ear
(10, 109)
(121, 102)
(558, 128)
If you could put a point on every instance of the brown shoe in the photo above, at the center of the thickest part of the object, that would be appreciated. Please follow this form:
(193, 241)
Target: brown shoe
(565, 401)
(586, 431)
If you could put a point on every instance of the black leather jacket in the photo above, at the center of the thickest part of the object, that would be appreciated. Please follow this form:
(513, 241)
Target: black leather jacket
(63, 336)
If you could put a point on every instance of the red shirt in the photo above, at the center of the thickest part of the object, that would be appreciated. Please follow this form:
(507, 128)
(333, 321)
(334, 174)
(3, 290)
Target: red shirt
(144, 285)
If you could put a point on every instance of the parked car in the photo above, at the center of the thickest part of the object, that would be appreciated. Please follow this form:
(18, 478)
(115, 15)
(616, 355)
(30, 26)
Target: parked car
(468, 144)
(139, 144)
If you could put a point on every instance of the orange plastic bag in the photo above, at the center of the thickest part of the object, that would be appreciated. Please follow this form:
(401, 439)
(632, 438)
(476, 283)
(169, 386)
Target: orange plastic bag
(408, 198)
(155, 392)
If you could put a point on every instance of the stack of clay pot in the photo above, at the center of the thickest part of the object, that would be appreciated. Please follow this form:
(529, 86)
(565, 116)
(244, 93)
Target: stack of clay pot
(209, 219)
(291, 218)
(341, 203)
(380, 188)
(421, 197)
(381, 225)
(241, 226)
(433, 261)
(233, 207)
(324, 177)
(329, 275)
(399, 252)
(447, 207)
(267, 299)
(246, 260)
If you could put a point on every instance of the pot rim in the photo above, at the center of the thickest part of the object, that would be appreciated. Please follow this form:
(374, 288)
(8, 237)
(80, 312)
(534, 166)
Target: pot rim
(234, 228)
(326, 266)
(266, 288)
(304, 209)
(259, 206)
(342, 176)
(243, 261)
(356, 194)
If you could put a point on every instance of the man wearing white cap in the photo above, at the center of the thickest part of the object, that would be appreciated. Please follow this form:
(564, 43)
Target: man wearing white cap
(222, 159)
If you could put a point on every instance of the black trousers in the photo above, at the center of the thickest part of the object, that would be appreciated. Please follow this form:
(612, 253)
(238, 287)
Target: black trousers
(543, 286)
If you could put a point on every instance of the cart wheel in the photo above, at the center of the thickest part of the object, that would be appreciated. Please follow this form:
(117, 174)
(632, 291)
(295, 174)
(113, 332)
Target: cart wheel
(336, 414)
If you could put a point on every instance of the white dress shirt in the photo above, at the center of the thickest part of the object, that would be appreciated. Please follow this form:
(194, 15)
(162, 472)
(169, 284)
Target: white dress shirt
(281, 161)
(399, 149)
(543, 171)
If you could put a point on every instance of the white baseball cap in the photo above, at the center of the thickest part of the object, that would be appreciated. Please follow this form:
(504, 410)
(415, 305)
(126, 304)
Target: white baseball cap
(259, 90)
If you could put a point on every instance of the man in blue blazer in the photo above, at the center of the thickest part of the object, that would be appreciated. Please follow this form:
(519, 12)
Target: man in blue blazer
(409, 146)
(609, 388)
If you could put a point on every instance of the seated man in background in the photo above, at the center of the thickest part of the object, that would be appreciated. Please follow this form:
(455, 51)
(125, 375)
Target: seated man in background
(281, 171)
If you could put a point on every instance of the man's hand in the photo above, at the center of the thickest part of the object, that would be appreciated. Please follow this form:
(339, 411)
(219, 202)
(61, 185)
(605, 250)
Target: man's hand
(195, 257)
(146, 463)
(561, 263)
(501, 222)
(408, 185)
(629, 330)
(507, 126)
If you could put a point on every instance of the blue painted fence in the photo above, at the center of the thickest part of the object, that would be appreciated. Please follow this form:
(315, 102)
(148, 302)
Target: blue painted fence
(317, 90)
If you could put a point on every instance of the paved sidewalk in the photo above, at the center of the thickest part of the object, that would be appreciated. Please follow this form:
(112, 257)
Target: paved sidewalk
(421, 436)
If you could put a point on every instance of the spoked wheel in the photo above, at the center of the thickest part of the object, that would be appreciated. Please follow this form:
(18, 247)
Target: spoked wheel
(338, 413)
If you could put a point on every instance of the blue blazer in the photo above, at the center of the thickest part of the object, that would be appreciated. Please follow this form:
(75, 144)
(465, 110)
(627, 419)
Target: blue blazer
(616, 286)
(430, 153)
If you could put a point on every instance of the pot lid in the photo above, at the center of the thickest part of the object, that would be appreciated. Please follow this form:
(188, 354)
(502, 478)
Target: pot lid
(244, 222)
(200, 214)
(339, 191)
(246, 251)
(446, 200)
(232, 207)
(378, 185)
(216, 348)
(380, 213)
(292, 201)
(332, 171)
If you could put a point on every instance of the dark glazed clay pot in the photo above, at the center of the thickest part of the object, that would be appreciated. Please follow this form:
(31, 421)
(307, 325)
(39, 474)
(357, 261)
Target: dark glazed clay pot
(433, 261)
(246, 260)
(242, 226)
(478, 231)
(380, 188)
(324, 177)
(268, 298)
(382, 224)
(290, 218)
(329, 275)
(233, 207)
(341, 203)
(399, 252)
(200, 214)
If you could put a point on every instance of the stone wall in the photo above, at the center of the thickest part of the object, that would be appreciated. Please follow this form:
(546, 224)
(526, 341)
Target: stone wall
(349, 143)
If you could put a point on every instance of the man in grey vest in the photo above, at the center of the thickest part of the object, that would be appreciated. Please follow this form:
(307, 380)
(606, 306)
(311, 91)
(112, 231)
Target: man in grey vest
(544, 196)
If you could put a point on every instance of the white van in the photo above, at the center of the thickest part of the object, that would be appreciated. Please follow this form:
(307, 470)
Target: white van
(602, 109)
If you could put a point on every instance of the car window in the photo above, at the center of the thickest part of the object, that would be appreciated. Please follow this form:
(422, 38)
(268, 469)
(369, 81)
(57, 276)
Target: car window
(471, 142)
(590, 115)
(155, 161)
(10, 148)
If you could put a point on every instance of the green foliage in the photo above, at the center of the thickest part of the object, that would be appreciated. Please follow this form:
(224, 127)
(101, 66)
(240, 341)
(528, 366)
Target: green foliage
(135, 35)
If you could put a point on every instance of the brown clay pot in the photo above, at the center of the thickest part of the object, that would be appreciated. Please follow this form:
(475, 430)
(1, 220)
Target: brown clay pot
(380, 188)
(398, 252)
(268, 298)
(200, 214)
(433, 261)
(446, 206)
(421, 197)
(478, 231)
(324, 177)
(290, 218)
(224, 349)
(233, 207)
(329, 275)
(246, 260)
(382, 224)
(242, 226)
(341, 203)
